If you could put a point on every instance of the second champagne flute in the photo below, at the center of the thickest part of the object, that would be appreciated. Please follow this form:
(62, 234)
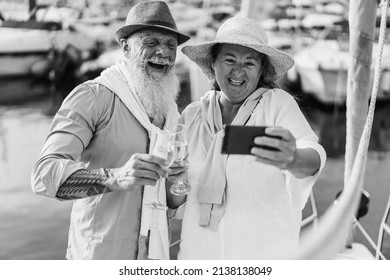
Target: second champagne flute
(180, 150)
(162, 148)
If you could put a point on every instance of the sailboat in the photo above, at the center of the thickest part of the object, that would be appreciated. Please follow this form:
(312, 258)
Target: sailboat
(26, 43)
(322, 68)
(335, 226)
(32, 51)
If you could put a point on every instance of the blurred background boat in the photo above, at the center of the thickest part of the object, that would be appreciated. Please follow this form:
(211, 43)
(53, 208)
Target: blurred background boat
(320, 48)
(38, 52)
(321, 68)
(26, 42)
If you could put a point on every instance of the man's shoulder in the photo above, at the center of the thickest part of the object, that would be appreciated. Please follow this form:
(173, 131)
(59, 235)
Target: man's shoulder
(95, 87)
(89, 94)
(90, 89)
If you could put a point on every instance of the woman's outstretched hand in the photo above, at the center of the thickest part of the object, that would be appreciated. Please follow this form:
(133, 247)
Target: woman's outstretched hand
(280, 150)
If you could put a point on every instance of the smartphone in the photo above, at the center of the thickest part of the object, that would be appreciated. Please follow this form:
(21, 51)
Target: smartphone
(239, 139)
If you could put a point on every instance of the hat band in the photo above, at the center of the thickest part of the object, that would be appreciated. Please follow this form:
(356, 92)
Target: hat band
(163, 23)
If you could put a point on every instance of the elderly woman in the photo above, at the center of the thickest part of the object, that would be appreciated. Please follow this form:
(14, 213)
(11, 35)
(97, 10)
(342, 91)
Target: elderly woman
(246, 206)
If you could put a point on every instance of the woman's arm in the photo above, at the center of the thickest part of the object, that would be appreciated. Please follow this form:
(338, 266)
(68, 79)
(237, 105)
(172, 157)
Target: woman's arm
(306, 163)
(300, 162)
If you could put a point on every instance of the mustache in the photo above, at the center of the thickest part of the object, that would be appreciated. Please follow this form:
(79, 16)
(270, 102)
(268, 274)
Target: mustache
(160, 60)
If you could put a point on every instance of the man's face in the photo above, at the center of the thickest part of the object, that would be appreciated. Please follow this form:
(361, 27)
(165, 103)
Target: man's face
(151, 54)
(154, 49)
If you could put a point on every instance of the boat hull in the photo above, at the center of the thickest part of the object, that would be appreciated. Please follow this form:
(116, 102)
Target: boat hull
(330, 86)
(21, 89)
(322, 70)
(21, 49)
(21, 65)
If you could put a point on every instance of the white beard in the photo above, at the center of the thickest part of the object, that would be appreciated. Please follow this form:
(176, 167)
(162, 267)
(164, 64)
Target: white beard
(156, 91)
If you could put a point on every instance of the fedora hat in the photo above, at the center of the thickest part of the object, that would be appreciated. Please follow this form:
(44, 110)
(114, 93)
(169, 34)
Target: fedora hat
(150, 14)
(245, 32)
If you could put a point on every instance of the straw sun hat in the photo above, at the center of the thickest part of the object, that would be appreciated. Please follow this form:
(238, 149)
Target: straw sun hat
(245, 32)
(150, 14)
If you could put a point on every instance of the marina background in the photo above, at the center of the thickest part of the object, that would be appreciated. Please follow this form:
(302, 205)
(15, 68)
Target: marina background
(35, 227)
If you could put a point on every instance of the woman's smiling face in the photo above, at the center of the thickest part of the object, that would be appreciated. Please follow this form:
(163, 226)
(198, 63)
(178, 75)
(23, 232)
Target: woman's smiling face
(237, 71)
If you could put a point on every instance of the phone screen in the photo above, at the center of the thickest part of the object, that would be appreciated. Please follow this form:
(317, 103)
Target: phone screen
(239, 139)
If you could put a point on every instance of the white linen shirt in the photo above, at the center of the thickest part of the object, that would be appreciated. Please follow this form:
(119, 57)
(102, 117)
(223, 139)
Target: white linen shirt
(94, 129)
(263, 203)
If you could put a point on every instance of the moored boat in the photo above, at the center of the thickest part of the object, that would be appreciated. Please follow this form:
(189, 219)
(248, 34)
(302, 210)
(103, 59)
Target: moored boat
(322, 70)
(20, 49)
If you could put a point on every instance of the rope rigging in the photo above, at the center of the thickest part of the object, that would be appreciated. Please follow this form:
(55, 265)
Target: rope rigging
(339, 217)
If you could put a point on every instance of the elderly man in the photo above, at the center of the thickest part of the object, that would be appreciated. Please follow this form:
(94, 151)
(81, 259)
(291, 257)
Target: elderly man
(97, 150)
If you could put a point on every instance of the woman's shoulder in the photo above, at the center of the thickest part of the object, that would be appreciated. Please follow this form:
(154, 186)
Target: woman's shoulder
(278, 98)
(192, 115)
(192, 109)
(195, 108)
(196, 105)
(278, 94)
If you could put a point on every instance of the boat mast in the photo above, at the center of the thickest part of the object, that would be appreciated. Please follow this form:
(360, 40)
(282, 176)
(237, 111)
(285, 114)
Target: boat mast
(362, 17)
(31, 6)
(248, 8)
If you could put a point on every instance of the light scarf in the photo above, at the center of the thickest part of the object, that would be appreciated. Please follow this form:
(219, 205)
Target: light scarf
(212, 189)
(153, 220)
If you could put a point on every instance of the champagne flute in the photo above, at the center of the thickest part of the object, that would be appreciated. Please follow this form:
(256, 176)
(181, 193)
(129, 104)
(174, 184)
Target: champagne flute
(162, 148)
(180, 150)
